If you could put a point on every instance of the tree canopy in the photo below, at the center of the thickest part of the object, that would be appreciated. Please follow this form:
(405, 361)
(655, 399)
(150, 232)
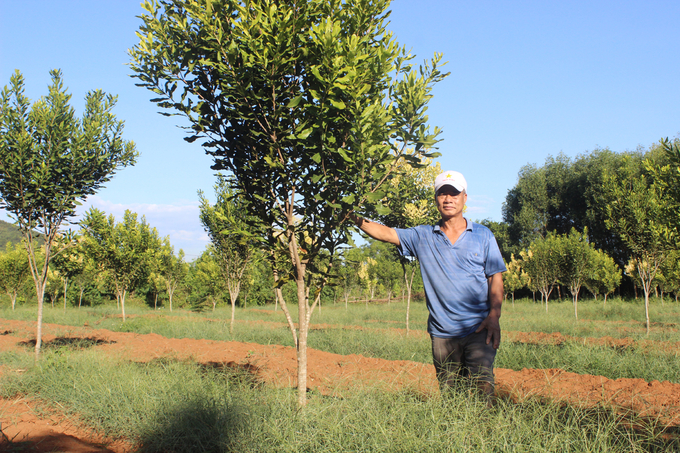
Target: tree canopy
(309, 105)
(49, 160)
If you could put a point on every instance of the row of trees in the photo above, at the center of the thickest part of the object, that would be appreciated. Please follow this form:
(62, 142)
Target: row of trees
(624, 204)
(107, 255)
(568, 260)
(110, 260)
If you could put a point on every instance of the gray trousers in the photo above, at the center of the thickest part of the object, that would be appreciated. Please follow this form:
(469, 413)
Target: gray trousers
(459, 360)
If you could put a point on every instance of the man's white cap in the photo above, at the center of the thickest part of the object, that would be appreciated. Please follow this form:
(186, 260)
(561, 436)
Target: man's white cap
(450, 178)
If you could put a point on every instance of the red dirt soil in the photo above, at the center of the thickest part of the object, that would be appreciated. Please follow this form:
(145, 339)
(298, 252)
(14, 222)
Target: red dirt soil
(22, 419)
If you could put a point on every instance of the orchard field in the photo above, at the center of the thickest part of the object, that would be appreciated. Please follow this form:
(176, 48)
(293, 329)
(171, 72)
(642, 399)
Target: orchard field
(179, 381)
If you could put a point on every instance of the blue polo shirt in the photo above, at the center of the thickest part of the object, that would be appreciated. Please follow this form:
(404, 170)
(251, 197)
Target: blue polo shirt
(454, 275)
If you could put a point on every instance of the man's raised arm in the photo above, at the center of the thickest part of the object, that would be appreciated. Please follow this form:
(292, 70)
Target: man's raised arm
(376, 230)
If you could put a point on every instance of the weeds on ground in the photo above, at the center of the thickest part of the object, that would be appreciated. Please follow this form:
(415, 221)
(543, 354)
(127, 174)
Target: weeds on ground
(171, 406)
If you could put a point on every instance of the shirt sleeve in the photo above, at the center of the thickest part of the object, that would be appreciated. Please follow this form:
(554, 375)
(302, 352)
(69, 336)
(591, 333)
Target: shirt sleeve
(494, 260)
(408, 237)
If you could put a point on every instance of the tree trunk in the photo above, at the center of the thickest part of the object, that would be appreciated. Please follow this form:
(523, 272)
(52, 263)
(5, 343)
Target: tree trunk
(171, 292)
(302, 336)
(65, 287)
(233, 313)
(576, 305)
(647, 309)
(284, 308)
(122, 303)
(38, 334)
(40, 293)
(40, 281)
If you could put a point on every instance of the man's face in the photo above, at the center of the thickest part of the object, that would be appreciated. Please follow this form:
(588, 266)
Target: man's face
(450, 202)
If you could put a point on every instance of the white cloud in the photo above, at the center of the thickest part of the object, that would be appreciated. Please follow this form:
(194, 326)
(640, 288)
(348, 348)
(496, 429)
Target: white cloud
(178, 221)
(479, 207)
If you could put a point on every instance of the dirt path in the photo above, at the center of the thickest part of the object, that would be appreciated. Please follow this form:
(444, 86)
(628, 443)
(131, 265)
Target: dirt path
(328, 373)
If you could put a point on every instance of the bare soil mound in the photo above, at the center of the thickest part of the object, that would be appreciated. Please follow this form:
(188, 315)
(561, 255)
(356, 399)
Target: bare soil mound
(328, 373)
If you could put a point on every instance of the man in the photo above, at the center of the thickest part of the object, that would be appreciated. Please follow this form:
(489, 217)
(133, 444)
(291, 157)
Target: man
(461, 267)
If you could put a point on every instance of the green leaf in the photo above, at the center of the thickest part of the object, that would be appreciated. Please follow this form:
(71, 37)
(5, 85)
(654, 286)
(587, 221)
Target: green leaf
(294, 102)
(304, 134)
(349, 199)
(338, 104)
(344, 155)
(383, 210)
(376, 196)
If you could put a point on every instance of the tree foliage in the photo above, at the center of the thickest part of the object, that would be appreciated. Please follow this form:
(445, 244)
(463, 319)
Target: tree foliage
(605, 275)
(70, 262)
(515, 278)
(565, 194)
(50, 159)
(636, 206)
(233, 243)
(308, 104)
(14, 270)
(578, 262)
(168, 270)
(542, 262)
(124, 250)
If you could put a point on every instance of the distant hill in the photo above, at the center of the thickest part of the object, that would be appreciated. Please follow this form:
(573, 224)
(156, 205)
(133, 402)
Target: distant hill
(9, 233)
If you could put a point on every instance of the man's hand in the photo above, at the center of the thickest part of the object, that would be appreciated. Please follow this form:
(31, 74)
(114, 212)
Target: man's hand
(491, 322)
(493, 327)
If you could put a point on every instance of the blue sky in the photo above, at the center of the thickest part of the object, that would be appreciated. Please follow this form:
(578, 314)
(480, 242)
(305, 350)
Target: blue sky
(528, 80)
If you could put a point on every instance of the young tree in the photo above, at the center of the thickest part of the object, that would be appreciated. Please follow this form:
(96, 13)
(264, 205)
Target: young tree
(348, 272)
(634, 211)
(70, 262)
(208, 274)
(156, 282)
(605, 276)
(13, 270)
(515, 278)
(388, 270)
(169, 270)
(578, 261)
(86, 279)
(123, 250)
(367, 277)
(542, 263)
(308, 104)
(49, 160)
(233, 245)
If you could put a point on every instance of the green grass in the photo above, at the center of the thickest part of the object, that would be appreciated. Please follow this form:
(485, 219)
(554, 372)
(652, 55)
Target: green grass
(179, 406)
(169, 406)
(621, 318)
(378, 331)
